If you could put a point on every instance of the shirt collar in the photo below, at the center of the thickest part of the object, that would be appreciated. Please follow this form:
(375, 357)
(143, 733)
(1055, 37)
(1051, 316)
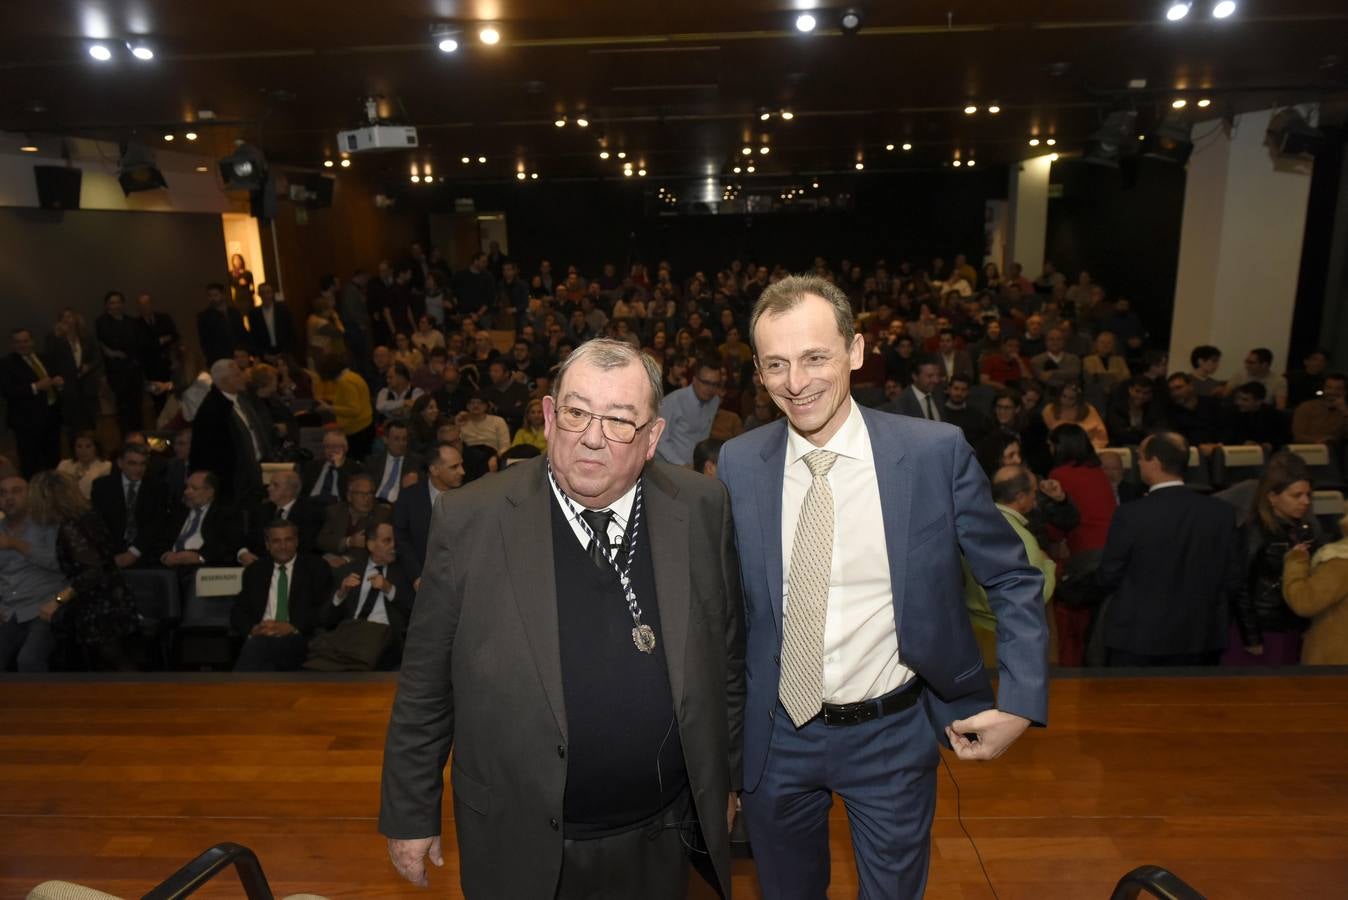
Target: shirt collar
(1165, 484)
(621, 508)
(851, 440)
(1013, 514)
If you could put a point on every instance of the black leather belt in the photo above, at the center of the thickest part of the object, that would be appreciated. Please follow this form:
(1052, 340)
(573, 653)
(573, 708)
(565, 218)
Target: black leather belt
(866, 710)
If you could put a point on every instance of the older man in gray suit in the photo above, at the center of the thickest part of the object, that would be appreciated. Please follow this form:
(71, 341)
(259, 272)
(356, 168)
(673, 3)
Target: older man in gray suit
(578, 641)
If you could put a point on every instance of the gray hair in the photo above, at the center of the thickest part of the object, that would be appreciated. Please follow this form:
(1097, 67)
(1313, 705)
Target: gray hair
(219, 366)
(606, 353)
(784, 295)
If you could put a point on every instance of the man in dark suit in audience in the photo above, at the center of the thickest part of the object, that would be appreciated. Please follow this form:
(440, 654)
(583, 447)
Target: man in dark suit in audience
(279, 606)
(159, 340)
(412, 513)
(133, 507)
(392, 467)
(205, 532)
(344, 524)
(326, 479)
(922, 399)
(33, 397)
(271, 327)
(284, 501)
(229, 438)
(220, 327)
(373, 587)
(1174, 563)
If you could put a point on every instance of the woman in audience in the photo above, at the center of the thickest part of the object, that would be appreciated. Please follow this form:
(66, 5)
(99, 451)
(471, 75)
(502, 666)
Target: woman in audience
(240, 283)
(427, 337)
(423, 422)
(324, 330)
(1069, 407)
(1077, 469)
(1266, 631)
(1000, 448)
(96, 608)
(407, 354)
(1317, 588)
(88, 462)
(345, 396)
(531, 433)
(1105, 367)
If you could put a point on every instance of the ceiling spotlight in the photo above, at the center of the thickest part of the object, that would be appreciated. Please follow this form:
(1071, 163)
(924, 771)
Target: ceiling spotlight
(1053, 157)
(560, 123)
(465, 160)
(447, 45)
(1177, 11)
(957, 163)
(140, 51)
(970, 109)
(815, 184)
(764, 116)
(489, 35)
(622, 154)
(860, 166)
(1204, 103)
(749, 169)
(889, 147)
(191, 135)
(736, 170)
(168, 137)
(805, 23)
(482, 160)
(972, 163)
(627, 173)
(28, 148)
(1051, 142)
(1223, 9)
(327, 164)
(203, 168)
(100, 52)
(641, 172)
(582, 122)
(520, 176)
(533, 176)
(907, 147)
(994, 110)
(764, 149)
(788, 115)
(1034, 142)
(1179, 104)
(416, 179)
(603, 154)
(747, 150)
(850, 21)
(346, 164)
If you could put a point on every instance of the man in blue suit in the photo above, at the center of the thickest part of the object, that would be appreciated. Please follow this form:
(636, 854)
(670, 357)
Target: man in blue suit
(851, 524)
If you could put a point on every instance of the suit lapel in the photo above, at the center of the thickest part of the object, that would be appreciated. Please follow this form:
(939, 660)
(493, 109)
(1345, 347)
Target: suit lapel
(526, 531)
(666, 523)
(770, 499)
(894, 475)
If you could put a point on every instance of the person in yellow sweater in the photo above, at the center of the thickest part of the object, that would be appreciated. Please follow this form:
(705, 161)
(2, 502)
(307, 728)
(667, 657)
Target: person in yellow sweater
(531, 432)
(345, 396)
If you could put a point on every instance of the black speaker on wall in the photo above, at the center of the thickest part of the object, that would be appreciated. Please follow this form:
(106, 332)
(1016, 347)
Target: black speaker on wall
(58, 187)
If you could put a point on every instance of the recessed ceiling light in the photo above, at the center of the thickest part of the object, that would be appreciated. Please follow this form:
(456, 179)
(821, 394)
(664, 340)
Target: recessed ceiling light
(641, 172)
(1034, 142)
(465, 160)
(416, 179)
(970, 109)
(168, 137)
(191, 135)
(889, 146)
(764, 149)
(1177, 11)
(140, 52)
(907, 147)
(1051, 142)
(627, 173)
(1204, 103)
(489, 35)
(788, 115)
(560, 123)
(958, 163)
(749, 169)
(603, 154)
(622, 154)
(746, 150)
(860, 166)
(28, 148)
(805, 23)
(972, 163)
(346, 164)
(100, 52)
(533, 176)
(815, 184)
(736, 170)
(208, 168)
(327, 164)
(1223, 8)
(482, 160)
(520, 176)
(994, 110)
(447, 45)
(1179, 104)
(763, 117)
(582, 122)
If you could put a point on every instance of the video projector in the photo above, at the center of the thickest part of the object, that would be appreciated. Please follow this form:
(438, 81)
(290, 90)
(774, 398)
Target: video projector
(377, 137)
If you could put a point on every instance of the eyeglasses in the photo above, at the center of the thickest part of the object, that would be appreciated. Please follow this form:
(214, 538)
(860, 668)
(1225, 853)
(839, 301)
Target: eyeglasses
(575, 419)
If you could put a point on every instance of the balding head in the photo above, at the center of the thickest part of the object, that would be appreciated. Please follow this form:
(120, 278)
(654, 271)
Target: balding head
(1014, 487)
(283, 488)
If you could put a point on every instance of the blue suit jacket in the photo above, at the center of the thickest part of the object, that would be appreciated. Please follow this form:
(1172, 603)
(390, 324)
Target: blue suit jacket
(936, 505)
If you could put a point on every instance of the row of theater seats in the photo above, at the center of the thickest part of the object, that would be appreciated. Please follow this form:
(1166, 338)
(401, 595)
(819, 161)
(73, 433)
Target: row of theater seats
(1231, 464)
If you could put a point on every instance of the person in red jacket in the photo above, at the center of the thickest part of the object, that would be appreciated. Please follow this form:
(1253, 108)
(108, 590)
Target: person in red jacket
(1077, 468)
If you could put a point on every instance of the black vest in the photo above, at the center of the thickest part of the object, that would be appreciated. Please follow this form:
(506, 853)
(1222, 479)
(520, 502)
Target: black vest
(624, 759)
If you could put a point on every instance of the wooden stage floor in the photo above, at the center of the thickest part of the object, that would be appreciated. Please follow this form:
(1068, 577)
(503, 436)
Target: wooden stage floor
(1238, 784)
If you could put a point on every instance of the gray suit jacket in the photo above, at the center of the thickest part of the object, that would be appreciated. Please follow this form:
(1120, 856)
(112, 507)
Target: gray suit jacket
(482, 673)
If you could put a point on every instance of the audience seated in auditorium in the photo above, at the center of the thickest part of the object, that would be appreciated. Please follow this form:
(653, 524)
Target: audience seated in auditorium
(973, 422)
(507, 397)
(1069, 407)
(344, 523)
(279, 607)
(1005, 367)
(1132, 414)
(1104, 367)
(532, 432)
(412, 512)
(1174, 566)
(1054, 366)
(395, 399)
(1125, 490)
(1316, 588)
(284, 501)
(133, 508)
(87, 464)
(374, 588)
(688, 412)
(1306, 383)
(204, 532)
(1259, 369)
(1254, 421)
(1197, 417)
(395, 467)
(481, 428)
(1323, 419)
(327, 479)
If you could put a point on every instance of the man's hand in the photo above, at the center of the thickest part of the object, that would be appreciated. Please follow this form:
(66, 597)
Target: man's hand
(47, 610)
(409, 857)
(247, 558)
(731, 808)
(380, 583)
(995, 731)
(272, 628)
(416, 585)
(349, 583)
(125, 560)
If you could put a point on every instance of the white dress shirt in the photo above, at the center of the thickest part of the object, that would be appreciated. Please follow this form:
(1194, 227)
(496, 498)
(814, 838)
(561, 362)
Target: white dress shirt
(861, 644)
(617, 525)
(922, 404)
(270, 612)
(380, 612)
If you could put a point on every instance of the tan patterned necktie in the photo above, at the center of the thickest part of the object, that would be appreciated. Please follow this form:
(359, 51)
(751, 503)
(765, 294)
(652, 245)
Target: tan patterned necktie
(801, 689)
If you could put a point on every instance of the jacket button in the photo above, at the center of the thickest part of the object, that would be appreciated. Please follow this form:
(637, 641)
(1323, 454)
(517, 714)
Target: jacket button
(776, 659)
(561, 752)
(552, 823)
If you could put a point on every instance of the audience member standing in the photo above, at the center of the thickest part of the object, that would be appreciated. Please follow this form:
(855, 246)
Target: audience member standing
(228, 437)
(1267, 631)
(345, 396)
(220, 327)
(1174, 564)
(160, 346)
(240, 283)
(119, 337)
(74, 355)
(32, 399)
(271, 327)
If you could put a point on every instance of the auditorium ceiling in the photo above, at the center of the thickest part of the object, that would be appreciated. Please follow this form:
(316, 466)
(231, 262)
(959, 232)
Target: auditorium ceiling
(681, 88)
